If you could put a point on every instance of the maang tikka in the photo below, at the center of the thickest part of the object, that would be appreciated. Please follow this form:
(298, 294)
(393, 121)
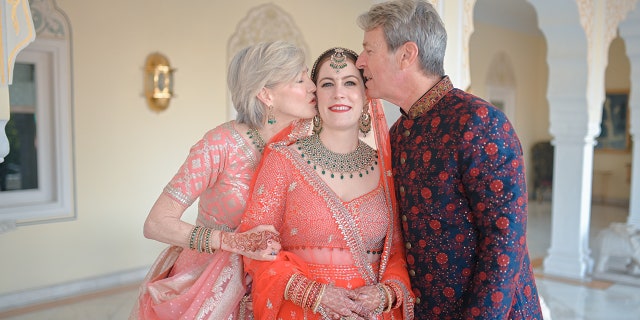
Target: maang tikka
(338, 60)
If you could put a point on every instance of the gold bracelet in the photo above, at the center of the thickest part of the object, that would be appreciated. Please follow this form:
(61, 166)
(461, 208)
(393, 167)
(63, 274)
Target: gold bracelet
(192, 239)
(286, 289)
(200, 243)
(389, 297)
(207, 242)
(317, 304)
(383, 296)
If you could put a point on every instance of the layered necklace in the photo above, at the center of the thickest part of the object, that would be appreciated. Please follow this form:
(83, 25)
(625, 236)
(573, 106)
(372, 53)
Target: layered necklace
(356, 163)
(256, 139)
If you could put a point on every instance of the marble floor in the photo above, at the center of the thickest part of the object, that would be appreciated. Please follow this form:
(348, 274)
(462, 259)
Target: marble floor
(566, 299)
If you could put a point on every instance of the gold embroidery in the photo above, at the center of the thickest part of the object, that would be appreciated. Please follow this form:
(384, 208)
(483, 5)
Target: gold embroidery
(430, 98)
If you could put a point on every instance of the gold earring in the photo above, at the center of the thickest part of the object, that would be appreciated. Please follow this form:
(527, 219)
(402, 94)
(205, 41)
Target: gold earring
(365, 120)
(317, 124)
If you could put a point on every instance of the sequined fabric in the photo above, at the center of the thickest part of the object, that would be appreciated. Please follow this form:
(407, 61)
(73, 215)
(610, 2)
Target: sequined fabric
(459, 176)
(323, 237)
(217, 173)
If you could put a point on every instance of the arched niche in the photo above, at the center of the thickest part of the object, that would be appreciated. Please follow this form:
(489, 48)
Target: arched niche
(266, 22)
(501, 85)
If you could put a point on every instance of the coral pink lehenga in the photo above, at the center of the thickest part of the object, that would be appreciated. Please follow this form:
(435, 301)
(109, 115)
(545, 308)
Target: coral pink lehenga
(186, 284)
(324, 238)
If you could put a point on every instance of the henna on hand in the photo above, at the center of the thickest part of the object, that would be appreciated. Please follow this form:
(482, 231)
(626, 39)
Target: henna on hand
(339, 302)
(253, 240)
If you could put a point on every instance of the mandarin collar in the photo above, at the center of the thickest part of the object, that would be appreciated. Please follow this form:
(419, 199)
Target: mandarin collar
(430, 98)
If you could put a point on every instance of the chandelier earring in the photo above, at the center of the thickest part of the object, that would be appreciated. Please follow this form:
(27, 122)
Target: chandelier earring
(271, 119)
(365, 120)
(317, 124)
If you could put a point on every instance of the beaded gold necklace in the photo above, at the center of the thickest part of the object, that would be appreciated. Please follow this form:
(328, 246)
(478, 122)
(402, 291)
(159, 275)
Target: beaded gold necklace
(256, 139)
(358, 162)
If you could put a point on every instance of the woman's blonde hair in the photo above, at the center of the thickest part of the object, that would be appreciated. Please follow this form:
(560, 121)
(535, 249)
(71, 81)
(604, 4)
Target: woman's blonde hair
(263, 65)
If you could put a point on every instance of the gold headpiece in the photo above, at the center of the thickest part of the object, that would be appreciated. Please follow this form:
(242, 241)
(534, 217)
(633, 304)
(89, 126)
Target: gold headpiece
(337, 60)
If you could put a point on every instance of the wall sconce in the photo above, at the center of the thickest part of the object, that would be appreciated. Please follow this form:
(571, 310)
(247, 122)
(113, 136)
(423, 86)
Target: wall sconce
(158, 81)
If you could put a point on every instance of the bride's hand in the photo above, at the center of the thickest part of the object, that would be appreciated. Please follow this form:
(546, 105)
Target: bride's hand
(259, 243)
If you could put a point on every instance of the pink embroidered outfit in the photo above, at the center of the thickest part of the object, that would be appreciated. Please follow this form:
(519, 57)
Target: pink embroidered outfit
(346, 243)
(186, 284)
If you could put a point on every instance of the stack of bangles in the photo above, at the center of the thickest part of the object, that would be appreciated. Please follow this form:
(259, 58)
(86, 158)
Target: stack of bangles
(304, 292)
(201, 239)
(393, 292)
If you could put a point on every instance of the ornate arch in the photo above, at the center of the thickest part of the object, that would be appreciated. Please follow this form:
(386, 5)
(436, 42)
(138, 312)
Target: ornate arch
(266, 22)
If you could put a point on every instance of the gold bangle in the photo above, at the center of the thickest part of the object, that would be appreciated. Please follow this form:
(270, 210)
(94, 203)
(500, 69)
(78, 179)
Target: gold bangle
(317, 304)
(286, 289)
(383, 296)
(201, 234)
(389, 297)
(207, 242)
(192, 239)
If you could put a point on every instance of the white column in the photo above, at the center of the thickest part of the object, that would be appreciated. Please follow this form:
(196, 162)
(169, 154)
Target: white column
(569, 255)
(630, 32)
(567, 50)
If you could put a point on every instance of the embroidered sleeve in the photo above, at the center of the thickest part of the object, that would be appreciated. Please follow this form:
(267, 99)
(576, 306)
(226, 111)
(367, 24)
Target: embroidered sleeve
(201, 168)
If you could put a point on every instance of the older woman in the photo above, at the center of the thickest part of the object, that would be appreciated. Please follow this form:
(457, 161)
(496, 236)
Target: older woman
(200, 275)
(331, 199)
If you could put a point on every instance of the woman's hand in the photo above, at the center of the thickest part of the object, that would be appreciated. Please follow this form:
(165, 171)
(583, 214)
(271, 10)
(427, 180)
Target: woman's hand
(338, 304)
(259, 243)
(370, 298)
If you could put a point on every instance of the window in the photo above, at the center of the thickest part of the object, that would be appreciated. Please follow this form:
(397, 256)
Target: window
(36, 178)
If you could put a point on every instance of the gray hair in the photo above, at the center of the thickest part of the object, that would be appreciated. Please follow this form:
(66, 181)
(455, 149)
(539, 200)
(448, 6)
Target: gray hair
(410, 20)
(263, 65)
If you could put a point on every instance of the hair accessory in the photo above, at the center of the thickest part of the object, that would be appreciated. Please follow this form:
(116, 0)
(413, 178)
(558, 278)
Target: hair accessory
(335, 59)
(338, 60)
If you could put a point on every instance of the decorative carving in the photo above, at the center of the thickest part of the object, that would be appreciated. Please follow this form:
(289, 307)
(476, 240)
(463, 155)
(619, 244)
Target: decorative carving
(49, 21)
(616, 12)
(266, 22)
(501, 71)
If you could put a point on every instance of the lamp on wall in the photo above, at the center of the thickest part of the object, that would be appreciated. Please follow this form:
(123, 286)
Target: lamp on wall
(158, 81)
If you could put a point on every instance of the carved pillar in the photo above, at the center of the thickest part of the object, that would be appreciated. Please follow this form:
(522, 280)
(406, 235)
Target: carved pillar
(629, 32)
(574, 132)
(16, 31)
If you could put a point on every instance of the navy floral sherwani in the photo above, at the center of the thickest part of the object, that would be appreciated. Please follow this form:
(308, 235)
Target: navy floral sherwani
(459, 175)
